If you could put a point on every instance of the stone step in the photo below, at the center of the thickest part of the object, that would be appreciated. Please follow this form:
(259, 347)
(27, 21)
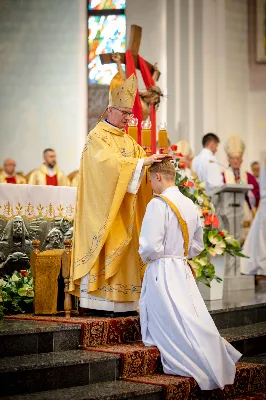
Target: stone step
(95, 330)
(21, 337)
(18, 337)
(108, 331)
(237, 316)
(258, 359)
(248, 339)
(98, 391)
(50, 371)
(136, 359)
(249, 378)
(252, 396)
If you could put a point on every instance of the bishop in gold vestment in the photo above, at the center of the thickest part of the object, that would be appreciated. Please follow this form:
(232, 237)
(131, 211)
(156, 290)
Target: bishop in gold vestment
(112, 195)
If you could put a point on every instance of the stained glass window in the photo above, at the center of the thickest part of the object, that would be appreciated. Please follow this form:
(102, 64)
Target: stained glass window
(106, 4)
(106, 33)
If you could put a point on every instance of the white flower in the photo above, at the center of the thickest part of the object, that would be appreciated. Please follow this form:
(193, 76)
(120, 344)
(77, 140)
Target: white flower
(232, 241)
(217, 249)
(14, 278)
(2, 282)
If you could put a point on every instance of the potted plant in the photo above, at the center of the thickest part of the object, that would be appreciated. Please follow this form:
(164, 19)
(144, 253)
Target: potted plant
(16, 293)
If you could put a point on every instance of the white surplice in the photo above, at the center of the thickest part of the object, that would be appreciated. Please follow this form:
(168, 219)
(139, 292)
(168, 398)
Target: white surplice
(207, 170)
(255, 243)
(173, 315)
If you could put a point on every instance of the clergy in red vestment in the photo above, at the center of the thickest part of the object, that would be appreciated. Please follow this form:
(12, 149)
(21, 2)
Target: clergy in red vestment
(48, 173)
(8, 175)
(234, 148)
(255, 168)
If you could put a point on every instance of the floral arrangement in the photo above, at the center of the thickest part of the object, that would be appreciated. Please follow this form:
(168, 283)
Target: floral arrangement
(16, 293)
(216, 241)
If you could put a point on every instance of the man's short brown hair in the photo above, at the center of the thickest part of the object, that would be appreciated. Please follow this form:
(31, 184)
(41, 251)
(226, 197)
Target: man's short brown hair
(165, 167)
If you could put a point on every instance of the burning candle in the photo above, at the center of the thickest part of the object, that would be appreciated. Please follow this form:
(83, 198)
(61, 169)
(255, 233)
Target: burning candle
(162, 139)
(133, 128)
(146, 136)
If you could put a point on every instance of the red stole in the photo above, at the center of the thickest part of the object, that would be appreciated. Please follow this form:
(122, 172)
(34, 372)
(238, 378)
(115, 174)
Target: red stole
(11, 179)
(51, 180)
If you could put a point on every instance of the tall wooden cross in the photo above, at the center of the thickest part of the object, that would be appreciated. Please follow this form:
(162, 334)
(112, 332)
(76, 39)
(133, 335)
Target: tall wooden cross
(133, 46)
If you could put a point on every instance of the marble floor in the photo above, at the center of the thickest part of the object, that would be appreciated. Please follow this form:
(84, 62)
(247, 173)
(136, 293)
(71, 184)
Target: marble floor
(240, 298)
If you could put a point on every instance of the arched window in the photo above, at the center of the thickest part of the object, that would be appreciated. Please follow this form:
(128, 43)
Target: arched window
(106, 33)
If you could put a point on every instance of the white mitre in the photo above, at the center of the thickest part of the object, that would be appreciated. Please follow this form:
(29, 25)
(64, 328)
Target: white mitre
(234, 146)
(184, 148)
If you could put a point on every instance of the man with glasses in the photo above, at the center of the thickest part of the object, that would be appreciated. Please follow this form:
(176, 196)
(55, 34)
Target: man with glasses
(112, 195)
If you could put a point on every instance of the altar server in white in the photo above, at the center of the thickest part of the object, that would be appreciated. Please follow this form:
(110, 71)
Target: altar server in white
(255, 243)
(205, 164)
(173, 315)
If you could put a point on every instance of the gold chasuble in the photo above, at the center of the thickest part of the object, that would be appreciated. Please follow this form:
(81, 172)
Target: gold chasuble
(40, 176)
(108, 219)
(108, 216)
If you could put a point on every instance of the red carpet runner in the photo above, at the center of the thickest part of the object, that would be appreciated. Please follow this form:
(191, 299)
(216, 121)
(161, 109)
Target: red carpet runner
(142, 364)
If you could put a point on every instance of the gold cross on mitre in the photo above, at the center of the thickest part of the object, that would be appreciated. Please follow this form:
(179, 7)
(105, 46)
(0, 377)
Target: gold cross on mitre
(133, 46)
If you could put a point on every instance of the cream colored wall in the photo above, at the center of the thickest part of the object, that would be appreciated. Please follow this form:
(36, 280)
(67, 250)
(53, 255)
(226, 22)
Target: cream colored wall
(257, 92)
(43, 80)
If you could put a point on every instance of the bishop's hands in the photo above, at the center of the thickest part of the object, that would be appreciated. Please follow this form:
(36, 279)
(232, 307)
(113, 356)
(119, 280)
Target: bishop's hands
(155, 158)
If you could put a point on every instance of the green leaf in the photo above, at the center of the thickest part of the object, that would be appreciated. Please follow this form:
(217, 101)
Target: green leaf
(26, 291)
(204, 280)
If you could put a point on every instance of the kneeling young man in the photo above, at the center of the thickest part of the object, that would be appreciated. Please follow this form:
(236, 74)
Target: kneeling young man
(173, 315)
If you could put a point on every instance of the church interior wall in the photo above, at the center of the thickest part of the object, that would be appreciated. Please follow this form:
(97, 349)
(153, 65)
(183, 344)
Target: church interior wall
(43, 81)
(257, 90)
(237, 72)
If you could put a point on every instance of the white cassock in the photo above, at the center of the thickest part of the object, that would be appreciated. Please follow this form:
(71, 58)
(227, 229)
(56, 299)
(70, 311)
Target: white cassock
(173, 315)
(255, 243)
(208, 171)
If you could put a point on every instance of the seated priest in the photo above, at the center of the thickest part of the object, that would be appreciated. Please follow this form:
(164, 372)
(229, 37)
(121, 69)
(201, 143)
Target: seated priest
(8, 175)
(112, 195)
(234, 148)
(48, 173)
(255, 168)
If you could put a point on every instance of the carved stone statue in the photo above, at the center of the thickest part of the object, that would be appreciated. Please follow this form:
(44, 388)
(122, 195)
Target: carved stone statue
(55, 239)
(69, 234)
(65, 225)
(151, 96)
(15, 245)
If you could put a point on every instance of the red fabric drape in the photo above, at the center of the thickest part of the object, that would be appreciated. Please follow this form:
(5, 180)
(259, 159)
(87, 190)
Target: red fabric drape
(137, 109)
(51, 180)
(11, 179)
(147, 78)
